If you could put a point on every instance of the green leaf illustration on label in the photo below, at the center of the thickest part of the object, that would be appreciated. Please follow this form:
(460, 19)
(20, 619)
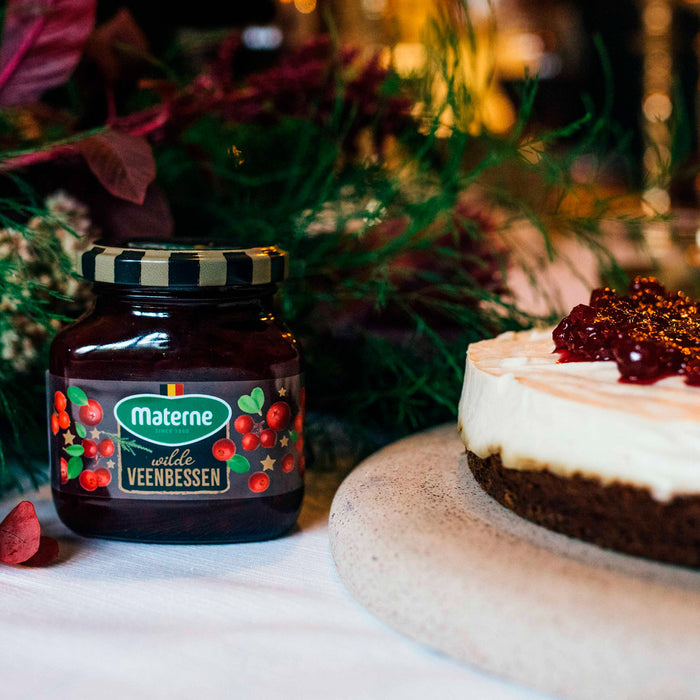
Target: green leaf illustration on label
(77, 396)
(172, 420)
(80, 429)
(258, 396)
(75, 450)
(253, 402)
(75, 466)
(238, 464)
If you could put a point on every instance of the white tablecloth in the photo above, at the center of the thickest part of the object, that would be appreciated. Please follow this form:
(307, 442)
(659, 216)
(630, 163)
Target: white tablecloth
(263, 620)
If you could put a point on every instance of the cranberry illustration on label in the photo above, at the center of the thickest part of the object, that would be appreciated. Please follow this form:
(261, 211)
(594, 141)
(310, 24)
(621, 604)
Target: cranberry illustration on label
(89, 448)
(278, 415)
(63, 420)
(64, 471)
(288, 463)
(60, 401)
(258, 482)
(223, 449)
(106, 447)
(88, 480)
(91, 413)
(55, 427)
(103, 476)
(250, 441)
(268, 438)
(243, 424)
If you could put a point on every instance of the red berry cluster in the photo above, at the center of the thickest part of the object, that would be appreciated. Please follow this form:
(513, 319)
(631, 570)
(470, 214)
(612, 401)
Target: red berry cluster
(256, 434)
(90, 476)
(265, 434)
(650, 333)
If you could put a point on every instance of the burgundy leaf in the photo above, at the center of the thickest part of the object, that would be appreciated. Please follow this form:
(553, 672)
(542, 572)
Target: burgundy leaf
(19, 534)
(42, 42)
(47, 552)
(123, 163)
(118, 46)
(121, 221)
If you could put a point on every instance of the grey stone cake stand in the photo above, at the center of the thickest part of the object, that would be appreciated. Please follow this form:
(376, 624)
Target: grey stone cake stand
(420, 545)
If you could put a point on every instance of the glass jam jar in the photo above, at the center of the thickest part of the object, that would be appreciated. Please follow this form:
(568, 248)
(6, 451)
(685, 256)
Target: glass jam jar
(176, 404)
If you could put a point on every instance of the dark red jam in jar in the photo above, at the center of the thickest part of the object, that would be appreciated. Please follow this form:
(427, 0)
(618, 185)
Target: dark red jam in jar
(176, 404)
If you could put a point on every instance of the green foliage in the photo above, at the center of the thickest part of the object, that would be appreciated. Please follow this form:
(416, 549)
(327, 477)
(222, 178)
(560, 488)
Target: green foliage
(384, 341)
(393, 272)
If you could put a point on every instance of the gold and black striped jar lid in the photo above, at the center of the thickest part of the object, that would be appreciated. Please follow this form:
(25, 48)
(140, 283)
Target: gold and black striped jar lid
(182, 265)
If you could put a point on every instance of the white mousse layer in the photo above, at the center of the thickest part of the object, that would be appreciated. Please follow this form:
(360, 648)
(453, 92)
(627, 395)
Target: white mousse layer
(518, 401)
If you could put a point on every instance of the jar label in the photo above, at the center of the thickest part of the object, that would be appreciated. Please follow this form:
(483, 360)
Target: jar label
(147, 440)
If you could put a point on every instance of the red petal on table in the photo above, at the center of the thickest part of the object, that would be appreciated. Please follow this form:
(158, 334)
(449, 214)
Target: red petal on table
(42, 42)
(123, 163)
(20, 534)
(47, 552)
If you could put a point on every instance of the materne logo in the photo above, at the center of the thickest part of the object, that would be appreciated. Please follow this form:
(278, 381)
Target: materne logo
(172, 420)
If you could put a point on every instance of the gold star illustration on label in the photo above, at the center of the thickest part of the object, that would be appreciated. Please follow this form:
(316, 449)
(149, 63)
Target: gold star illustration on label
(282, 391)
(110, 464)
(94, 433)
(268, 463)
(284, 441)
(68, 438)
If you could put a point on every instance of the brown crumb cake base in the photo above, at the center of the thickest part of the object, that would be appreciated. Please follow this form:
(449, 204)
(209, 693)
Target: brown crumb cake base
(616, 516)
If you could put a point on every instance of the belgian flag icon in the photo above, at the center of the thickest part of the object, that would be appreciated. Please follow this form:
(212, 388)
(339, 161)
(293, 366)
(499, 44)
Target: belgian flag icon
(171, 390)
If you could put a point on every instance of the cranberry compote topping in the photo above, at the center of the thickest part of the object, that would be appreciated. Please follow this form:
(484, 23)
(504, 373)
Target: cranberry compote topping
(650, 333)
